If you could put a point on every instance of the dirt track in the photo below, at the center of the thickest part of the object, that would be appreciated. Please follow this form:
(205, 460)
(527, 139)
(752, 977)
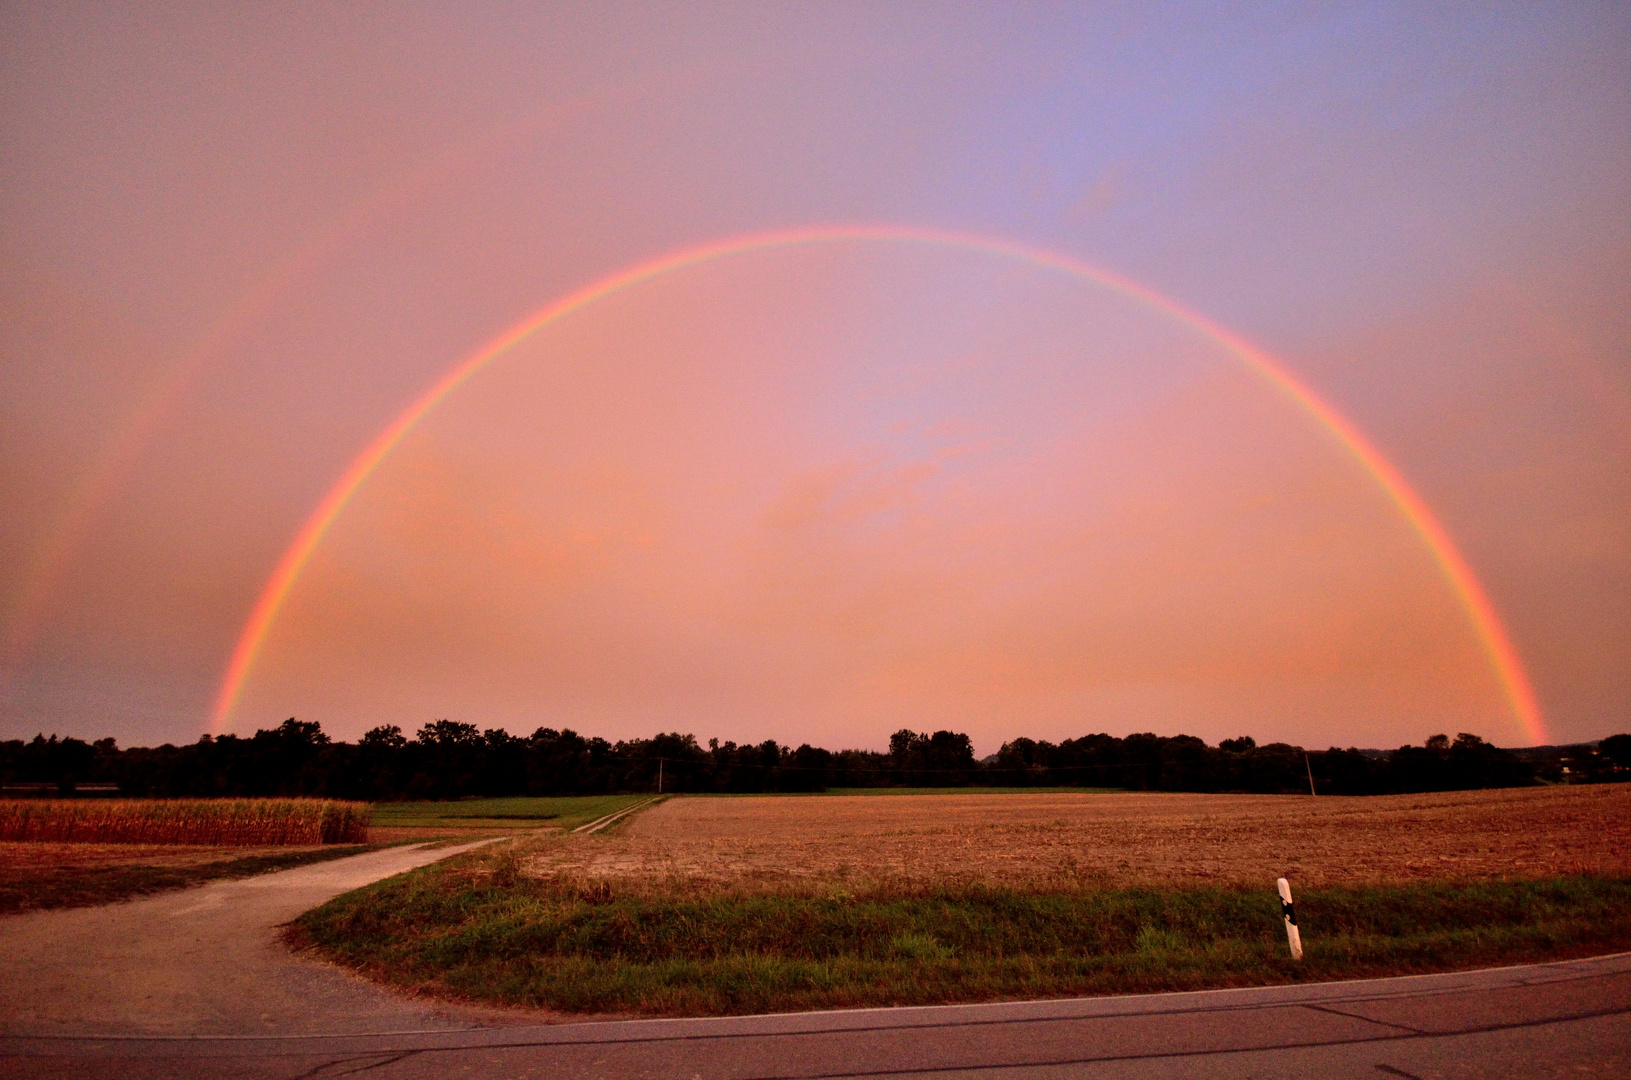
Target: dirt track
(1077, 840)
(199, 961)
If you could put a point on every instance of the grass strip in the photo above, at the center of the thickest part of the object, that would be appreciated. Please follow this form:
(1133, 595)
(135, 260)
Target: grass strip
(565, 812)
(37, 888)
(972, 790)
(507, 940)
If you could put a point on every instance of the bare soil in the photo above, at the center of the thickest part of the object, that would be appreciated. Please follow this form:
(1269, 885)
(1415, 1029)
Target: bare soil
(20, 855)
(49, 874)
(1069, 840)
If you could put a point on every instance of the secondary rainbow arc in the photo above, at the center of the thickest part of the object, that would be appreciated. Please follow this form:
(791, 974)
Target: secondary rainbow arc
(1497, 644)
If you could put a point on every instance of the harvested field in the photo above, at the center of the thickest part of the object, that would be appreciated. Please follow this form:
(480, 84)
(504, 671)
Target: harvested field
(213, 822)
(1075, 841)
(759, 904)
(42, 874)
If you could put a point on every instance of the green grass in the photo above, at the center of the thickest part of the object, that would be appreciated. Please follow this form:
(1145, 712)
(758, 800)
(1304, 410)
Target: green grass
(972, 791)
(34, 888)
(476, 930)
(519, 812)
(902, 791)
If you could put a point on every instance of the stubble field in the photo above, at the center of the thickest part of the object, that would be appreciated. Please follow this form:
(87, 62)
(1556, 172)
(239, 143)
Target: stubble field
(752, 904)
(1068, 840)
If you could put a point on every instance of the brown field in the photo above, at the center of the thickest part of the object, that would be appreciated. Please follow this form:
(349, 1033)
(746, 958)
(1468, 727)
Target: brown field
(26, 855)
(1069, 840)
(39, 874)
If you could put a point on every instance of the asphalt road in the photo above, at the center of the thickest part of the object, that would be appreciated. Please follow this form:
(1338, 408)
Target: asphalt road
(194, 984)
(1556, 1020)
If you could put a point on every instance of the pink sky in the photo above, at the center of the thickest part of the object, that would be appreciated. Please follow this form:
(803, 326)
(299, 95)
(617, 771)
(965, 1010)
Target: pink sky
(812, 495)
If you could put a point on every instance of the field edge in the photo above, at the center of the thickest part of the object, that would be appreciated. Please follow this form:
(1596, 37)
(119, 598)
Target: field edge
(467, 931)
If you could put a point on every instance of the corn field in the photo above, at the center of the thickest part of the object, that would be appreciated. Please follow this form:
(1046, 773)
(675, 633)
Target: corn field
(215, 822)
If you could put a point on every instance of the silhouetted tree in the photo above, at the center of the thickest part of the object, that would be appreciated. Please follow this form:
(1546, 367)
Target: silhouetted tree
(449, 759)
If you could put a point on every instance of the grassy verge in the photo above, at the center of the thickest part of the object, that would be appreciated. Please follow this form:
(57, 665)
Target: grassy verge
(905, 791)
(519, 812)
(38, 887)
(475, 930)
(972, 791)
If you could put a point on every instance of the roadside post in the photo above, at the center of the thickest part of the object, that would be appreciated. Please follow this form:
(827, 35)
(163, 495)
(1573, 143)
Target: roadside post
(1290, 912)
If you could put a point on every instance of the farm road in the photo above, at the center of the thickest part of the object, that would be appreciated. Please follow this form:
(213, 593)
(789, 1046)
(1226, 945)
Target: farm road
(1547, 1020)
(200, 961)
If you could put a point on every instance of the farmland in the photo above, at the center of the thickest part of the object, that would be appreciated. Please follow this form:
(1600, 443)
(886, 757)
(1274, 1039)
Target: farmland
(434, 820)
(77, 852)
(718, 905)
(1072, 840)
(213, 822)
(37, 875)
(73, 853)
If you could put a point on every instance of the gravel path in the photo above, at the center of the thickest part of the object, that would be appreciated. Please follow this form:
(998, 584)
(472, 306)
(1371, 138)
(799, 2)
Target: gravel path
(202, 961)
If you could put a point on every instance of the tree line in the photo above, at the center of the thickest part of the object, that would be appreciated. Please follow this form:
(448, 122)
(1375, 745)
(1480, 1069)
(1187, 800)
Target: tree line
(449, 760)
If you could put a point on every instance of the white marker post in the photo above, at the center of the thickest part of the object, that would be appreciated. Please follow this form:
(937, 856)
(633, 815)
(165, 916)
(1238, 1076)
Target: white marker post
(1290, 912)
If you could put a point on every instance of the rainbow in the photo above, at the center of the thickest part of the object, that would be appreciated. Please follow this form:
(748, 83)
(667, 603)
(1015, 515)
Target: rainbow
(97, 485)
(1502, 656)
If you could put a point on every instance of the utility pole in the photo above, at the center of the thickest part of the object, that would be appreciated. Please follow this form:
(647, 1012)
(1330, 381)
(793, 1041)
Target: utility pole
(1310, 769)
(659, 776)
